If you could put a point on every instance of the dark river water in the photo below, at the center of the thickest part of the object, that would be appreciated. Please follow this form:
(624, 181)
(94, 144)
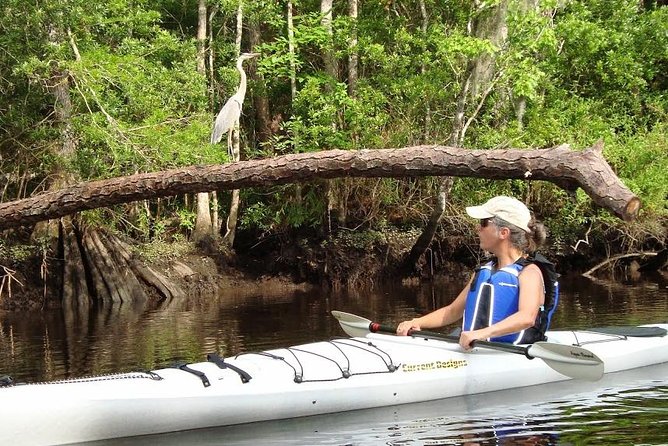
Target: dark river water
(623, 408)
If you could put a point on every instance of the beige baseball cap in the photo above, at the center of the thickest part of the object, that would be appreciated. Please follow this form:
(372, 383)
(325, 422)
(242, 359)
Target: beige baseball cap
(509, 209)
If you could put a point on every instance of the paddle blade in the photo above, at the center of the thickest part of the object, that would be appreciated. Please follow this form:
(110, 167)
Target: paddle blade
(569, 360)
(353, 325)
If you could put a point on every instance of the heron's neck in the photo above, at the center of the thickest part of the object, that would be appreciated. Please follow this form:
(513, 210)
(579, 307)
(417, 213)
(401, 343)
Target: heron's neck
(242, 78)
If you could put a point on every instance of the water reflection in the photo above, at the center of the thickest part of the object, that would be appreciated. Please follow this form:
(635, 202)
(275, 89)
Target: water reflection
(49, 345)
(631, 409)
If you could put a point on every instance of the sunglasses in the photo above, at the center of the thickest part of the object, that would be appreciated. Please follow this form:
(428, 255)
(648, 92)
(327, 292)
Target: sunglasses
(485, 222)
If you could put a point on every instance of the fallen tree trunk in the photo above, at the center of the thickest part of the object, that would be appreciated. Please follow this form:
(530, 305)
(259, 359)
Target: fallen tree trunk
(564, 167)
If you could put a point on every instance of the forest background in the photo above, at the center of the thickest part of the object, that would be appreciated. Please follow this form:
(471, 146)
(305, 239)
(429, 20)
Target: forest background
(93, 90)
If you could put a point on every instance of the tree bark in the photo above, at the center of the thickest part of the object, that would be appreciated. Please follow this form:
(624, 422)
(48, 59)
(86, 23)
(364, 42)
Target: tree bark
(59, 86)
(352, 50)
(260, 96)
(231, 229)
(562, 166)
(491, 25)
(75, 297)
(520, 102)
(165, 288)
(201, 36)
(231, 226)
(204, 226)
(331, 67)
(423, 70)
(334, 210)
(293, 84)
(291, 51)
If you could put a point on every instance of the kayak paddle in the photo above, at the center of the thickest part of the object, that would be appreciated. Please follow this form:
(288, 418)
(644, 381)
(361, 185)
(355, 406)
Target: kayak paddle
(570, 360)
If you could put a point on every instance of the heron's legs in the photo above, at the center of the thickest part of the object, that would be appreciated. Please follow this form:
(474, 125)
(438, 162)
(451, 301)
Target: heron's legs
(230, 149)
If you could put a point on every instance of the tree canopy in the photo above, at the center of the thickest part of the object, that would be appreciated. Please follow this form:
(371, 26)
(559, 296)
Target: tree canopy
(95, 90)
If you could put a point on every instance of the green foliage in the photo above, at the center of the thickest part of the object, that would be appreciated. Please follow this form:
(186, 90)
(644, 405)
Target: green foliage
(258, 215)
(333, 119)
(641, 161)
(187, 219)
(614, 52)
(360, 240)
(582, 71)
(11, 253)
(160, 250)
(280, 210)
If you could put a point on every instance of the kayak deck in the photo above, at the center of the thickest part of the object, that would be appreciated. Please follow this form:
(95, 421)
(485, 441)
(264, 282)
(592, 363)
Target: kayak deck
(322, 377)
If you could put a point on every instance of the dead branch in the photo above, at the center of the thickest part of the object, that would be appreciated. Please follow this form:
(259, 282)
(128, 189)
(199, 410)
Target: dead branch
(613, 259)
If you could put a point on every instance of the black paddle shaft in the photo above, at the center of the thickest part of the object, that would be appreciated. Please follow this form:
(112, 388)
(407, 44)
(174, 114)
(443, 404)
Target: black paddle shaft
(375, 327)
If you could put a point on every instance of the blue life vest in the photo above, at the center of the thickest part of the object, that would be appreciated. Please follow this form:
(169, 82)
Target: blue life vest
(494, 295)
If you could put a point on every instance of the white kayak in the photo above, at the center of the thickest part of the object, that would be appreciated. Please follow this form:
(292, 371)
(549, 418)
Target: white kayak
(373, 370)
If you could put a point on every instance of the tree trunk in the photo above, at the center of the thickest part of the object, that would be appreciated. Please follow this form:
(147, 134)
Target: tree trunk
(293, 84)
(215, 207)
(201, 36)
(291, 51)
(260, 96)
(75, 297)
(331, 67)
(165, 288)
(490, 24)
(59, 86)
(240, 27)
(99, 267)
(92, 268)
(411, 261)
(231, 228)
(203, 224)
(334, 209)
(520, 102)
(212, 99)
(568, 169)
(423, 70)
(352, 49)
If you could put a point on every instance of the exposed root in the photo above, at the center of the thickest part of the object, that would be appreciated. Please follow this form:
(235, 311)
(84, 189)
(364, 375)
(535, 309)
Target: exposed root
(8, 276)
(99, 267)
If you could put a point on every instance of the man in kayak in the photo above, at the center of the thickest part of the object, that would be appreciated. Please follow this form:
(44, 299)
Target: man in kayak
(512, 297)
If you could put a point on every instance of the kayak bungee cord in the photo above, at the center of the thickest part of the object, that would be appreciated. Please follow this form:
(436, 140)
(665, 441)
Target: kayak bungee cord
(389, 366)
(85, 379)
(388, 362)
(621, 333)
